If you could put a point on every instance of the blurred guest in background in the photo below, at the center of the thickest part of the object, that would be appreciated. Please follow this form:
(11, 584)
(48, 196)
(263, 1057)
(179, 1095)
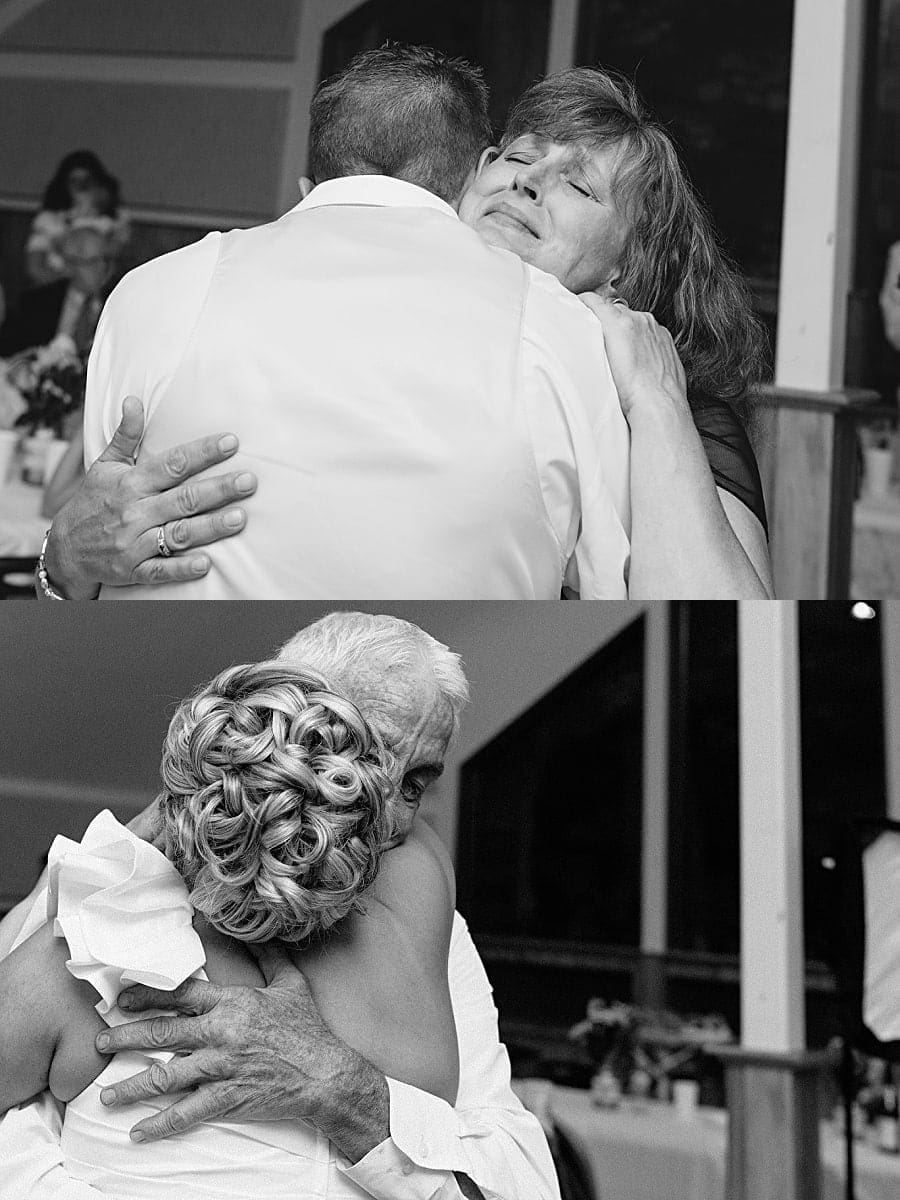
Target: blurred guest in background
(81, 192)
(71, 306)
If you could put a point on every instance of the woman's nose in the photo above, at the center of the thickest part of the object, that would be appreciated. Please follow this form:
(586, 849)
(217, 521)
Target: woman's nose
(528, 180)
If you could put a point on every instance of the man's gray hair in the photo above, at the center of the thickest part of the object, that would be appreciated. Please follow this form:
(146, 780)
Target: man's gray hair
(363, 654)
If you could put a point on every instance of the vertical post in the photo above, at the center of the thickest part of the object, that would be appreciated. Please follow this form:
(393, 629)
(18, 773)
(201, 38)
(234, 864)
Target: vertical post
(771, 1079)
(563, 39)
(650, 985)
(820, 193)
(890, 659)
(772, 963)
(810, 545)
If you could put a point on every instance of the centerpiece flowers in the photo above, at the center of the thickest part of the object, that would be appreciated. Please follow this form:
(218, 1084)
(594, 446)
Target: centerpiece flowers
(51, 381)
(638, 1050)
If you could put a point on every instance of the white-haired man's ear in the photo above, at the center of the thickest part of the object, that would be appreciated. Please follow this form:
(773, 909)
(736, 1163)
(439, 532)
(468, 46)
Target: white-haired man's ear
(306, 186)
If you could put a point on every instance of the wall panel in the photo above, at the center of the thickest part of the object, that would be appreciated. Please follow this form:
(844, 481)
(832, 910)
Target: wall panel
(214, 28)
(202, 149)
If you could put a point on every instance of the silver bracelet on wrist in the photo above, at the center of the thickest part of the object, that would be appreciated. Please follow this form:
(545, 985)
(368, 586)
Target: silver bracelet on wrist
(50, 592)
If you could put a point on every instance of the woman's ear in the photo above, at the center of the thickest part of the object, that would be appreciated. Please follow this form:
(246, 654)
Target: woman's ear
(608, 290)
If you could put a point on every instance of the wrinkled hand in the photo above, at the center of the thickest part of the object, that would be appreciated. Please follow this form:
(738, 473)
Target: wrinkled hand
(642, 355)
(106, 533)
(256, 1054)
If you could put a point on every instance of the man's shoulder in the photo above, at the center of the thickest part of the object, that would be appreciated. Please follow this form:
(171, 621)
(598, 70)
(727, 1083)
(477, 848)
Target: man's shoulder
(186, 263)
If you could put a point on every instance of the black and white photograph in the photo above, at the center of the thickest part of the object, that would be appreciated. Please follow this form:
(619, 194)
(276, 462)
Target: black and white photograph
(552, 901)
(526, 375)
(458, 300)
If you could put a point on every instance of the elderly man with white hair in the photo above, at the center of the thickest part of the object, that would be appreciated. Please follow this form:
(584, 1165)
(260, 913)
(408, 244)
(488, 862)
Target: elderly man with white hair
(268, 1052)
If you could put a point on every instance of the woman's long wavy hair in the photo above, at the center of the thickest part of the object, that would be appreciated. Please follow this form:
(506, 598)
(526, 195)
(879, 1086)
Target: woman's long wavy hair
(275, 802)
(671, 265)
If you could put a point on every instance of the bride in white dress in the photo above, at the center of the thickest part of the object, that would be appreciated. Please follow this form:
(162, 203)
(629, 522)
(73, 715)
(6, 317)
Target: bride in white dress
(276, 811)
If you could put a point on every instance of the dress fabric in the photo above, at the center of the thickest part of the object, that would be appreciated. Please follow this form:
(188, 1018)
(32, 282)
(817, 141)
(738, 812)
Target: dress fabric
(125, 914)
(730, 454)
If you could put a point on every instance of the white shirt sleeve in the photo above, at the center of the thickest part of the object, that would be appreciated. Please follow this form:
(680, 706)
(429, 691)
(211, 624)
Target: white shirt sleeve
(144, 330)
(580, 438)
(488, 1135)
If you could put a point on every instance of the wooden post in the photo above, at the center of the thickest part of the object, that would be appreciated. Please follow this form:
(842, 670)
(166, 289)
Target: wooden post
(820, 193)
(810, 447)
(771, 1081)
(807, 460)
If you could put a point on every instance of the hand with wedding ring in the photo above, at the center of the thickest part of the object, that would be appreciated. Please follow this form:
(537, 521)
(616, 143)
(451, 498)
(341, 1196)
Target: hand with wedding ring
(134, 522)
(642, 355)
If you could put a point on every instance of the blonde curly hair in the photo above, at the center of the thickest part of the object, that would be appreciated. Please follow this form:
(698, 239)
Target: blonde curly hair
(274, 803)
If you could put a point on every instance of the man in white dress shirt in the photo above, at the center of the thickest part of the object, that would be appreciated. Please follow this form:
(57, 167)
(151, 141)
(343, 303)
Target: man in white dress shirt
(400, 1143)
(428, 416)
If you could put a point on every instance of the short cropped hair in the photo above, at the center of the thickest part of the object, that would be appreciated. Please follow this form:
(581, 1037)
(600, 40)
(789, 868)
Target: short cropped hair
(672, 265)
(274, 802)
(366, 654)
(404, 111)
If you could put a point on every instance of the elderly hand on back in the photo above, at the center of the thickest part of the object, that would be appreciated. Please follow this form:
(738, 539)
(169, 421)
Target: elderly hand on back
(254, 1054)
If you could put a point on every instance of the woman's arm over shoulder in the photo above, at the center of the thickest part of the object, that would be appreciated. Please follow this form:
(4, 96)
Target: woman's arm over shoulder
(48, 1023)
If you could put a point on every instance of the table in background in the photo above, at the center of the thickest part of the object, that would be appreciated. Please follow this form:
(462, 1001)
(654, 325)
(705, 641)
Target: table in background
(21, 524)
(647, 1153)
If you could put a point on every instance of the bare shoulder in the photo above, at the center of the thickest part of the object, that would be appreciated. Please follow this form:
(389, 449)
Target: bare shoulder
(49, 1023)
(416, 881)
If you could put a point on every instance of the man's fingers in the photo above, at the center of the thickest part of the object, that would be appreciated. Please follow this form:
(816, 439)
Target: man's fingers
(157, 1033)
(162, 471)
(127, 438)
(206, 1104)
(178, 1075)
(201, 496)
(178, 569)
(275, 964)
(191, 997)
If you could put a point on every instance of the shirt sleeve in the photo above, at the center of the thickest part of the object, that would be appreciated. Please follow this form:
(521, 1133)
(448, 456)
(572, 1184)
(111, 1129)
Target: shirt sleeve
(144, 330)
(488, 1135)
(580, 438)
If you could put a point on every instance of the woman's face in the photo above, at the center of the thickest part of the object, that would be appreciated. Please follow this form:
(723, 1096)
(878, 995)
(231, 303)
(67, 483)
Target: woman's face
(551, 203)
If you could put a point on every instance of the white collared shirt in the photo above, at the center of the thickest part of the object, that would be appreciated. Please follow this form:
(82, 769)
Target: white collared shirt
(488, 1135)
(429, 417)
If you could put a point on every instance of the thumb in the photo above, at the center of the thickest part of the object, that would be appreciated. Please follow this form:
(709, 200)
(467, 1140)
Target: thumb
(276, 966)
(125, 441)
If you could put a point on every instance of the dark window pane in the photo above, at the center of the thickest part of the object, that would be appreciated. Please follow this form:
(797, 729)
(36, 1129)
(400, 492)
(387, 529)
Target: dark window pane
(842, 746)
(704, 812)
(550, 814)
(508, 38)
(717, 72)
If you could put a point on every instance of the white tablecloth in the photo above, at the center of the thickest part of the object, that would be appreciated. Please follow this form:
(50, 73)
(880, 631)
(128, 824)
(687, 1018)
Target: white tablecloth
(639, 1154)
(21, 524)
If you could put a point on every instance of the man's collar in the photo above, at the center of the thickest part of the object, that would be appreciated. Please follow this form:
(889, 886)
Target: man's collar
(378, 190)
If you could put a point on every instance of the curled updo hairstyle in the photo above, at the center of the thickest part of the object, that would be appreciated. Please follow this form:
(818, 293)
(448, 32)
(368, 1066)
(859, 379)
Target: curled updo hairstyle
(274, 802)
